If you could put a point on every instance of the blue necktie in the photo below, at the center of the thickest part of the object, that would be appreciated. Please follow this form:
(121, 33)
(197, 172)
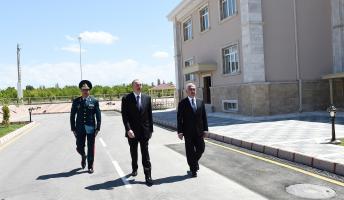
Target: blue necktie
(138, 103)
(193, 105)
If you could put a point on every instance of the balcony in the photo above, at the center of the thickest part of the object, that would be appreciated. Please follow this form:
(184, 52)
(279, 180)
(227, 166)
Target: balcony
(198, 68)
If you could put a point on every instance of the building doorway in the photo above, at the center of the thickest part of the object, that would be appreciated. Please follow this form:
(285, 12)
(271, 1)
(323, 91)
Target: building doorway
(206, 89)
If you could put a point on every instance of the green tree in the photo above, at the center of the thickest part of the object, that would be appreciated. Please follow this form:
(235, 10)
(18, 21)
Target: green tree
(29, 87)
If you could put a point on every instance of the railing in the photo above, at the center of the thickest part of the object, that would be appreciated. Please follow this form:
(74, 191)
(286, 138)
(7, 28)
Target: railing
(158, 103)
(163, 103)
(59, 99)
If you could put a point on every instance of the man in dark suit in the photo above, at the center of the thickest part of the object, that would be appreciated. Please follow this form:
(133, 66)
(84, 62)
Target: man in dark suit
(138, 123)
(192, 124)
(86, 109)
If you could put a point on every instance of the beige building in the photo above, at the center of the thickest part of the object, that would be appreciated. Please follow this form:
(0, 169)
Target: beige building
(259, 57)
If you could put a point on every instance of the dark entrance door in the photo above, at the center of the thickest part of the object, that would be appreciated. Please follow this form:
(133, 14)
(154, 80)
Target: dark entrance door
(206, 90)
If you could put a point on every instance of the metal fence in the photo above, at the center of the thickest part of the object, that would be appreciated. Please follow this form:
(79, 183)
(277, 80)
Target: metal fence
(158, 103)
(58, 99)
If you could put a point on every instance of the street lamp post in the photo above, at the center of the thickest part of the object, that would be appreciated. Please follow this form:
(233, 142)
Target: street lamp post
(332, 111)
(30, 112)
(79, 38)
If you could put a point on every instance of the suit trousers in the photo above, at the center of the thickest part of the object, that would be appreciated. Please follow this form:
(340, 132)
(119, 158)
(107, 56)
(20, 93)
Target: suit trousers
(80, 146)
(194, 147)
(133, 143)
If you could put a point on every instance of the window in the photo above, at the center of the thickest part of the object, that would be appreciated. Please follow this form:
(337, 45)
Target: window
(190, 77)
(230, 60)
(204, 18)
(230, 105)
(188, 63)
(228, 8)
(187, 27)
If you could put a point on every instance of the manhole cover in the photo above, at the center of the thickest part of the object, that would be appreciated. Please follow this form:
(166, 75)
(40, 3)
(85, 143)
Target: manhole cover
(309, 191)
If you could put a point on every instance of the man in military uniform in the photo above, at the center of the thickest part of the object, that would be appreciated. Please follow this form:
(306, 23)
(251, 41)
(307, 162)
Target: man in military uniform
(86, 109)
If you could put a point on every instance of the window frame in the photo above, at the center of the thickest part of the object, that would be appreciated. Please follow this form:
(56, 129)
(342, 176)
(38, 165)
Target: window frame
(188, 33)
(234, 102)
(230, 10)
(202, 18)
(189, 60)
(231, 60)
(192, 77)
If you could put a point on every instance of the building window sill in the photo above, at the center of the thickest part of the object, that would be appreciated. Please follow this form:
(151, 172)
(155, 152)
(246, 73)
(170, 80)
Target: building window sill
(231, 74)
(205, 31)
(229, 18)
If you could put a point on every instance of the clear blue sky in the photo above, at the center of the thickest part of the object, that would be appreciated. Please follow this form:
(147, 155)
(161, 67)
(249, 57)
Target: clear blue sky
(122, 40)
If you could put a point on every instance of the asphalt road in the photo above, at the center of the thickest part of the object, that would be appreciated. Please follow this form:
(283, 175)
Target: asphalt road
(43, 164)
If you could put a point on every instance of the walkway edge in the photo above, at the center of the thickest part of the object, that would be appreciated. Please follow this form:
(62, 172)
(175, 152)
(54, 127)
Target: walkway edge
(7, 138)
(317, 163)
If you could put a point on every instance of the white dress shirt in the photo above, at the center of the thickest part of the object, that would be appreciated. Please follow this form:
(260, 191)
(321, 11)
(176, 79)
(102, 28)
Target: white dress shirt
(190, 99)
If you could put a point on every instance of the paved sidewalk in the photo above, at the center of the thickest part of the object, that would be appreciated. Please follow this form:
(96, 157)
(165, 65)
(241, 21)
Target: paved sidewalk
(296, 137)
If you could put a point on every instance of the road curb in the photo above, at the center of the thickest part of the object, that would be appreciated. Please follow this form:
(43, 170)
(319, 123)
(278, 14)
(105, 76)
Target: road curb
(10, 136)
(311, 161)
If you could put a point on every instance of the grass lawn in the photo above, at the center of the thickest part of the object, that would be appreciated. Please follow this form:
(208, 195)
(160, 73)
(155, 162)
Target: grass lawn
(342, 144)
(5, 130)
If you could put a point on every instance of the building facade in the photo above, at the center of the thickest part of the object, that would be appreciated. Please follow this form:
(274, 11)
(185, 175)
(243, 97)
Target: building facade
(258, 57)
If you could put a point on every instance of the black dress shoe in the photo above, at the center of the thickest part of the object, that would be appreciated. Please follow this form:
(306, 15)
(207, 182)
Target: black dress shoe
(90, 170)
(149, 181)
(197, 167)
(83, 162)
(134, 173)
(193, 174)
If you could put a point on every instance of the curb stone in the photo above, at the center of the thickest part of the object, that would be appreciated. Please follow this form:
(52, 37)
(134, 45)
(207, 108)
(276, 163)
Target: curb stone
(16, 133)
(311, 161)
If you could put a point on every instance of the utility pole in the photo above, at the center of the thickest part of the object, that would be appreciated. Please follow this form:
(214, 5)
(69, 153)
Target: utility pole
(79, 38)
(19, 88)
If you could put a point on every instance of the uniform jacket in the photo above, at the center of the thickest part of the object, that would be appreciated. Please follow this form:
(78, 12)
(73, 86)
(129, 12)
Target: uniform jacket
(87, 112)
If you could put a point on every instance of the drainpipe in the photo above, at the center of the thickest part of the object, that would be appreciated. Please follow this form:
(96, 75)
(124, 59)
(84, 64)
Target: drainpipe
(298, 73)
(178, 62)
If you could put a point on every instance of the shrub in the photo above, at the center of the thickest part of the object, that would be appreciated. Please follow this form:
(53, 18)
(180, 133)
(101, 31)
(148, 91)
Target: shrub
(5, 115)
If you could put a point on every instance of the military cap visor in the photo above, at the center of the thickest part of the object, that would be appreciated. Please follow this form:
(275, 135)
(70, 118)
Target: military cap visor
(85, 85)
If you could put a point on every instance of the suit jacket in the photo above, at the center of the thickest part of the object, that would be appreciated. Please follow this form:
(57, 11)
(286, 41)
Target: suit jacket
(191, 123)
(87, 113)
(139, 121)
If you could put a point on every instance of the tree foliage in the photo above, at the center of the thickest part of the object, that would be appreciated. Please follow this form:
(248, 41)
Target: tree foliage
(43, 92)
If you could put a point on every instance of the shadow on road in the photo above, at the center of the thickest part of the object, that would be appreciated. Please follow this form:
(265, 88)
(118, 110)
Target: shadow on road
(62, 174)
(109, 185)
(118, 182)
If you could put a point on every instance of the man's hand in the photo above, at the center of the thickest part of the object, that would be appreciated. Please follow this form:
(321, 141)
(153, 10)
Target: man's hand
(205, 134)
(131, 134)
(96, 133)
(74, 133)
(180, 135)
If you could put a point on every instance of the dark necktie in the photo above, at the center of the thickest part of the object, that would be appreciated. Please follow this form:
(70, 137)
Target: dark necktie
(138, 105)
(193, 105)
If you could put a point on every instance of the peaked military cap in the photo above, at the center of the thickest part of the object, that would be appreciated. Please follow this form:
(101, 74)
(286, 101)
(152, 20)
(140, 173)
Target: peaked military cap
(85, 85)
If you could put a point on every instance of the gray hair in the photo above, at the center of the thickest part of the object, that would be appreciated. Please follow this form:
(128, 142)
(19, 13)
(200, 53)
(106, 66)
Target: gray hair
(135, 81)
(190, 85)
